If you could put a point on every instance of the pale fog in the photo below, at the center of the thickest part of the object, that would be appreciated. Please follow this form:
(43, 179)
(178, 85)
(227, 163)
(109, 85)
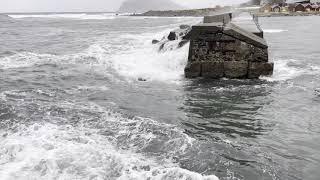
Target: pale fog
(92, 5)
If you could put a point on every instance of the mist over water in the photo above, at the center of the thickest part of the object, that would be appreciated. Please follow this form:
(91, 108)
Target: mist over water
(71, 105)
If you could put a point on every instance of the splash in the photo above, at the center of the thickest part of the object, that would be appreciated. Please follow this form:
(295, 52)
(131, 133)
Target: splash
(132, 59)
(47, 151)
(274, 30)
(286, 69)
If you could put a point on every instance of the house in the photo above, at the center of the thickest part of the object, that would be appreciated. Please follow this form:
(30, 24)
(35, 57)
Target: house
(315, 7)
(299, 7)
(302, 7)
(307, 7)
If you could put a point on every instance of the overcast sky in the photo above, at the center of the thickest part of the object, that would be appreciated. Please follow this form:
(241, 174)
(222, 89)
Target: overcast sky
(89, 5)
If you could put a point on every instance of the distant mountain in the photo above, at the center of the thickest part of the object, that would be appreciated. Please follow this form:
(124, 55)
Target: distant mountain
(139, 6)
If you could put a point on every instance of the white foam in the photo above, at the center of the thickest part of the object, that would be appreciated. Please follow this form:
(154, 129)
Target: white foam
(286, 69)
(274, 30)
(48, 151)
(25, 59)
(135, 57)
(82, 16)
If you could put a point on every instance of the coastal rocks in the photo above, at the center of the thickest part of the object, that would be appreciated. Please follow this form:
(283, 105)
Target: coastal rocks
(142, 79)
(226, 50)
(155, 41)
(181, 13)
(172, 36)
(183, 26)
(175, 39)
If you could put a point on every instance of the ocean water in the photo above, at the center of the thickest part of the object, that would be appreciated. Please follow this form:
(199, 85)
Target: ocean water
(71, 105)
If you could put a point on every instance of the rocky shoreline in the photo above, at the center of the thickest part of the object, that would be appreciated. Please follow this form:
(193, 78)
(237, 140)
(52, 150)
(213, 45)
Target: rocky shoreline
(281, 14)
(190, 12)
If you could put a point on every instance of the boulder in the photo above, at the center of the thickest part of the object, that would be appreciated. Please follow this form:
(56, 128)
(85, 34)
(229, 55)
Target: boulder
(155, 41)
(172, 36)
(184, 26)
(141, 79)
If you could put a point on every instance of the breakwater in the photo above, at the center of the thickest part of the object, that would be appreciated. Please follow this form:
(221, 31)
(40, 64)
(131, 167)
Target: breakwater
(227, 46)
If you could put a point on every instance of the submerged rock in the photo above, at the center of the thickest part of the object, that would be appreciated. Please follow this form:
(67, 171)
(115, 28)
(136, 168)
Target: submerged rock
(184, 26)
(142, 79)
(176, 38)
(182, 43)
(155, 41)
(172, 36)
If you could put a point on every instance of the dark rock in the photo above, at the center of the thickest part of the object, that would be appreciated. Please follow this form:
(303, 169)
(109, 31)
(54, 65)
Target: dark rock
(145, 168)
(182, 43)
(257, 69)
(141, 79)
(184, 26)
(155, 41)
(161, 47)
(193, 70)
(236, 69)
(5, 135)
(172, 36)
(187, 34)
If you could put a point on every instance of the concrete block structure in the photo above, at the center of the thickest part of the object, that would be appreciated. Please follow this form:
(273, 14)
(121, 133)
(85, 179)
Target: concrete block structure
(235, 49)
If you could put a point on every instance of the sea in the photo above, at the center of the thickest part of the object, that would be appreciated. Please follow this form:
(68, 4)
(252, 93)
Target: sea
(87, 96)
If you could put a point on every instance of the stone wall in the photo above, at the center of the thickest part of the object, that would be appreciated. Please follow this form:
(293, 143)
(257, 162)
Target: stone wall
(218, 50)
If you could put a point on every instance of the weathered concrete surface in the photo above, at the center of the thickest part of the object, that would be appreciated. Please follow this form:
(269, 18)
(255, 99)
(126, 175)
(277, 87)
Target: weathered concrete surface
(236, 69)
(214, 69)
(227, 50)
(248, 23)
(257, 69)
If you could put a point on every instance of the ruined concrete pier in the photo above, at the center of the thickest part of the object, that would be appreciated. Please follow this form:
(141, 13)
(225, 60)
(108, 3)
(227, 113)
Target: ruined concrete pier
(228, 46)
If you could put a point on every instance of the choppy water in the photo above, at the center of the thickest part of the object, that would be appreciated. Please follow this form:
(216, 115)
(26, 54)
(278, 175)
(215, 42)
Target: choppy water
(71, 105)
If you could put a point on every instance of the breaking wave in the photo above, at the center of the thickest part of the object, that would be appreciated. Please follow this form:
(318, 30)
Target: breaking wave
(54, 152)
(102, 145)
(136, 58)
(274, 30)
(286, 69)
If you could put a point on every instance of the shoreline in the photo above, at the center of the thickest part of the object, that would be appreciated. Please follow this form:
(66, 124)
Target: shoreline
(281, 14)
(185, 13)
